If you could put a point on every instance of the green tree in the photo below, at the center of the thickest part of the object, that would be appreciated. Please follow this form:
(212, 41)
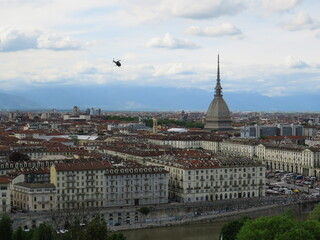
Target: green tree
(266, 228)
(18, 156)
(19, 234)
(76, 230)
(144, 210)
(312, 227)
(96, 230)
(297, 233)
(117, 236)
(230, 230)
(6, 228)
(44, 232)
(315, 213)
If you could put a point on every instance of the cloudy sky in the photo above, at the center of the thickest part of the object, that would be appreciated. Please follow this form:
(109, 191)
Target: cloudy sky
(270, 47)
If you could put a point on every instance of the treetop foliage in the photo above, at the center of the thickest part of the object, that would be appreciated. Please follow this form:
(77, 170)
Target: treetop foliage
(96, 229)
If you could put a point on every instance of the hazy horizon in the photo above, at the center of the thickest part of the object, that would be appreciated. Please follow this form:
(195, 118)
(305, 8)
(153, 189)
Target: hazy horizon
(267, 51)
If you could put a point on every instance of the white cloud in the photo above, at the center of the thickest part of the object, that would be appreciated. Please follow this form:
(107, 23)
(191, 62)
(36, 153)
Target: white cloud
(56, 42)
(170, 42)
(225, 29)
(174, 69)
(204, 8)
(295, 63)
(280, 5)
(14, 39)
(201, 9)
(302, 21)
(17, 40)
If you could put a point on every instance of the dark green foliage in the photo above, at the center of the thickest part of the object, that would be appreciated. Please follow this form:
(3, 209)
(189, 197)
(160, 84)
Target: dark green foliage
(119, 118)
(76, 230)
(17, 157)
(96, 230)
(144, 210)
(5, 228)
(315, 213)
(117, 236)
(230, 230)
(169, 122)
(19, 234)
(44, 232)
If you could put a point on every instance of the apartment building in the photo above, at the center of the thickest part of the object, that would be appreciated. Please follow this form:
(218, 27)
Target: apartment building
(239, 147)
(5, 198)
(130, 183)
(292, 158)
(187, 141)
(33, 196)
(79, 184)
(218, 178)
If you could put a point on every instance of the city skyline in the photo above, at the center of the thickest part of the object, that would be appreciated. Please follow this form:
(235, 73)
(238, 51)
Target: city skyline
(267, 48)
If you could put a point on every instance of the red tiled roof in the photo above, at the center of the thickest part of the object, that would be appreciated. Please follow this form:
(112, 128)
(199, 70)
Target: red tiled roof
(4, 180)
(80, 166)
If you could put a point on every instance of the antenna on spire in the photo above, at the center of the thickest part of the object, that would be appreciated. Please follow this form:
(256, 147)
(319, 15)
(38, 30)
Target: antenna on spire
(218, 87)
(218, 71)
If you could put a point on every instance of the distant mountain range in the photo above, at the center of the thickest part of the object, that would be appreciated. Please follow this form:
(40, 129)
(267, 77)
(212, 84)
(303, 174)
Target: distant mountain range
(136, 98)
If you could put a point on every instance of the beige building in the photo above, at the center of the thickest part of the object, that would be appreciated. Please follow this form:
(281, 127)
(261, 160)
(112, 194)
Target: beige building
(5, 198)
(79, 184)
(291, 158)
(239, 147)
(214, 179)
(33, 196)
(186, 141)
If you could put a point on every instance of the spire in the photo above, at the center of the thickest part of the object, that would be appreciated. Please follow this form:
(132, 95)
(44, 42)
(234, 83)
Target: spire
(218, 87)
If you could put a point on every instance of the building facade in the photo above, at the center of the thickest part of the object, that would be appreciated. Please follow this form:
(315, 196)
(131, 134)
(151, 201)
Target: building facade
(5, 199)
(215, 179)
(34, 196)
(135, 184)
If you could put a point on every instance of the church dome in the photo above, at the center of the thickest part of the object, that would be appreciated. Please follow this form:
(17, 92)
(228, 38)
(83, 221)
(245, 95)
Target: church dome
(218, 114)
(218, 109)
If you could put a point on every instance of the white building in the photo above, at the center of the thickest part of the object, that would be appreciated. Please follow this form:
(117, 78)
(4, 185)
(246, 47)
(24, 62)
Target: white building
(134, 184)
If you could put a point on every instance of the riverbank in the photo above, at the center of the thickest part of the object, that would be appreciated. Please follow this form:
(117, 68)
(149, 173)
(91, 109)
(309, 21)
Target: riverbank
(298, 208)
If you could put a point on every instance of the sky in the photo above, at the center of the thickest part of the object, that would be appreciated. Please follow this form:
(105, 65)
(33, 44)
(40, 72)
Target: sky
(267, 47)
